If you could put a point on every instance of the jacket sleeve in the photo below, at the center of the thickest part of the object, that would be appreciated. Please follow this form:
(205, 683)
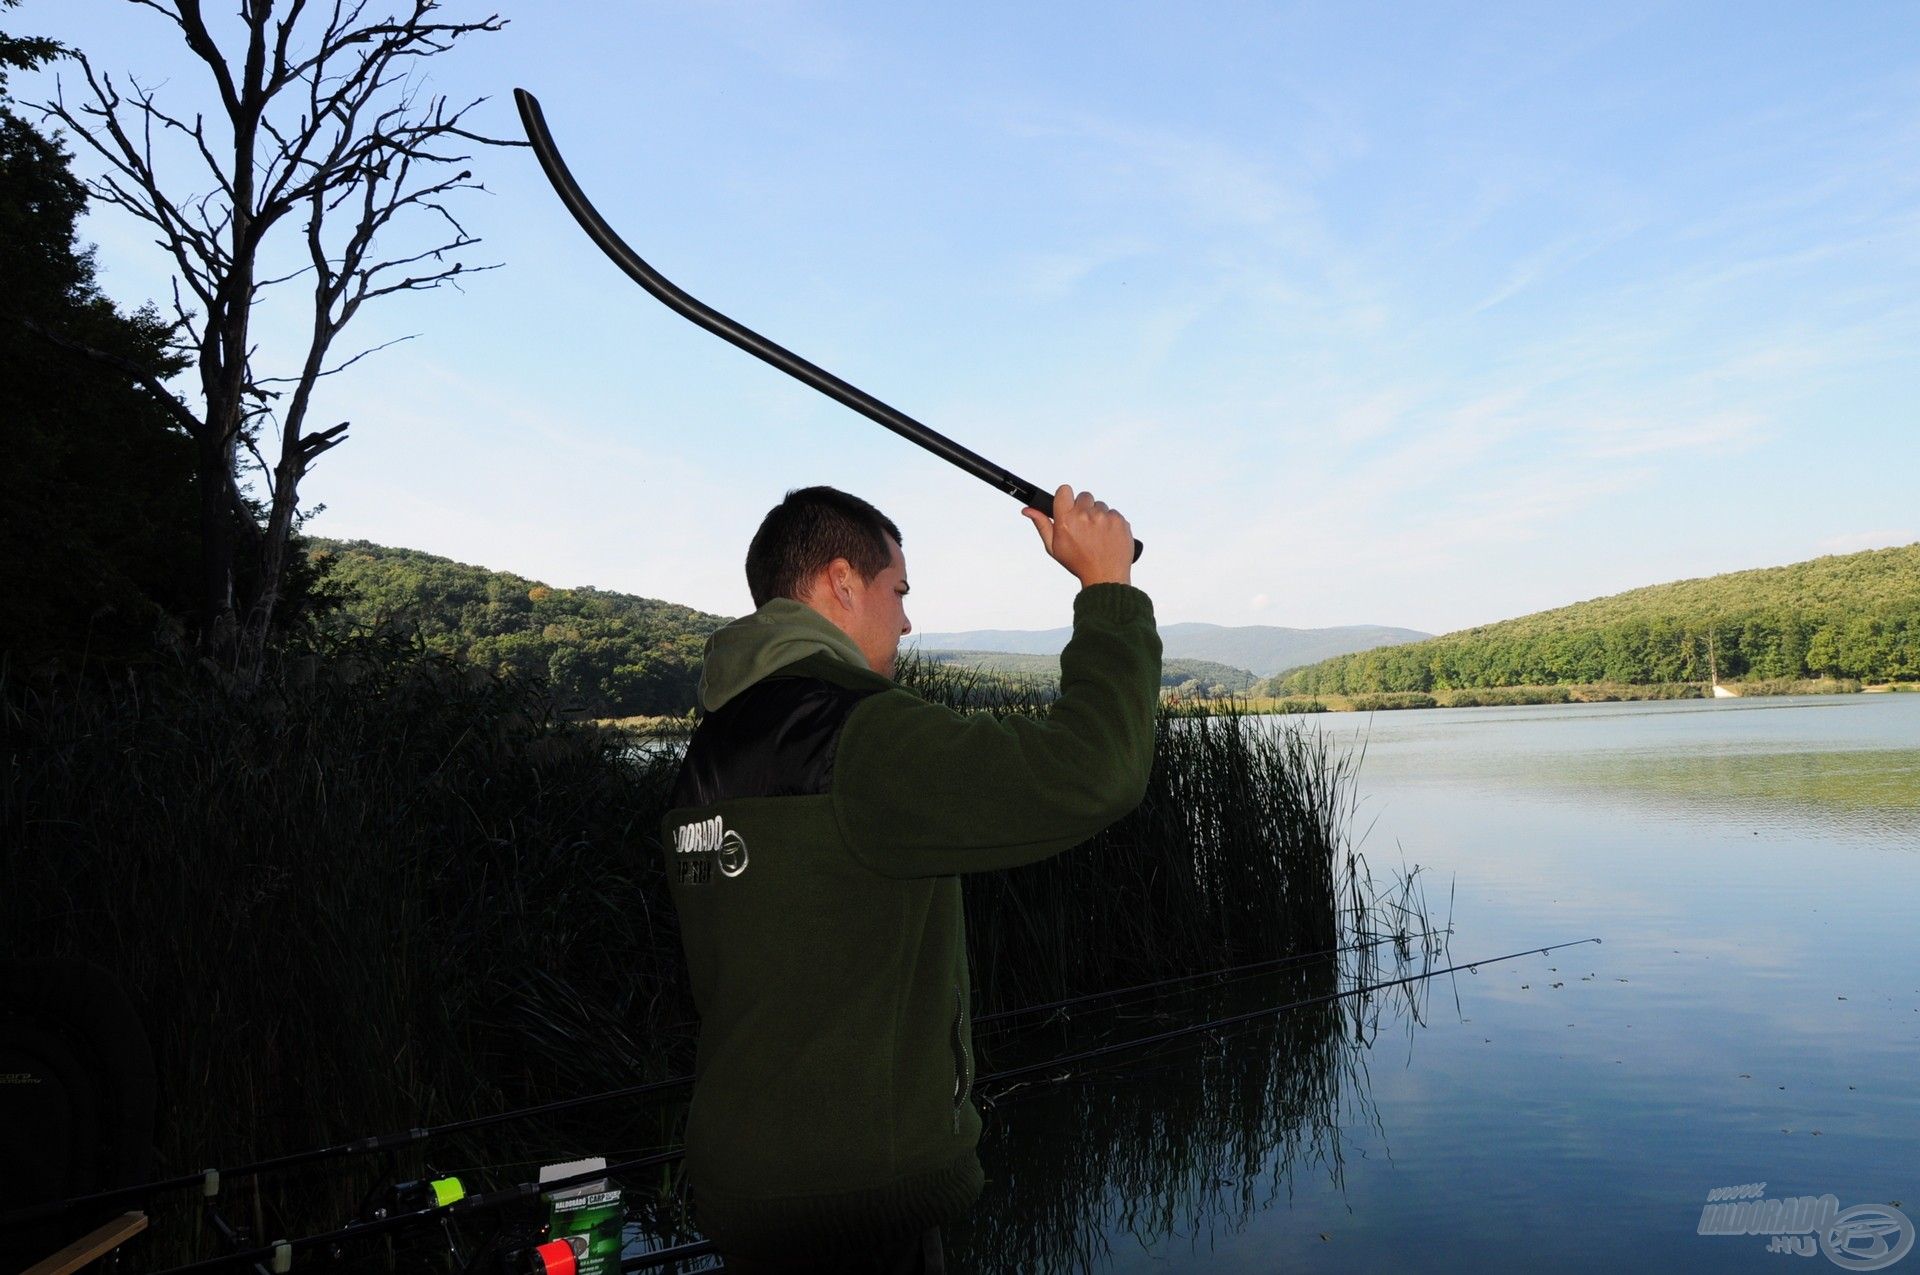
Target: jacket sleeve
(920, 790)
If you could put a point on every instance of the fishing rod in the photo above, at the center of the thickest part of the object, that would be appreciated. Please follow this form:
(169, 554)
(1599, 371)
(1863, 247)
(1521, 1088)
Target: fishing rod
(1275, 963)
(212, 1180)
(1014, 1073)
(280, 1253)
(690, 307)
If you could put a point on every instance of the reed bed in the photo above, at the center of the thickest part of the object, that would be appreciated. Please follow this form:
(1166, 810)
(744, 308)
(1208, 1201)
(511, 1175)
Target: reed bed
(1800, 686)
(379, 890)
(383, 890)
(1237, 853)
(1390, 700)
(1508, 696)
(1240, 852)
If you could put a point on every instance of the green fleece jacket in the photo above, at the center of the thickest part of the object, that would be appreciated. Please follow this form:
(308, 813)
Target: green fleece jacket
(822, 818)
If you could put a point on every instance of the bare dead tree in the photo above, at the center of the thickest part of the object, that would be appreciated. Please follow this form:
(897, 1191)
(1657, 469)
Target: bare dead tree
(326, 134)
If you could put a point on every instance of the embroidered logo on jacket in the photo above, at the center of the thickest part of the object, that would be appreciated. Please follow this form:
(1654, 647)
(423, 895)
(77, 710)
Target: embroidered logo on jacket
(700, 847)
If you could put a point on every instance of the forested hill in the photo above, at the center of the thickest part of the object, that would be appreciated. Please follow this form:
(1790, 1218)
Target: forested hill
(1263, 649)
(1853, 615)
(606, 654)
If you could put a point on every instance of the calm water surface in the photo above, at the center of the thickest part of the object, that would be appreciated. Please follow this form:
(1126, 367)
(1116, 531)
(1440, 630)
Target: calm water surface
(1753, 1015)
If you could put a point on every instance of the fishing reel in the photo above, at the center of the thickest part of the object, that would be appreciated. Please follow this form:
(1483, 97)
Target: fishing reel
(427, 1193)
(564, 1256)
(573, 1227)
(580, 1233)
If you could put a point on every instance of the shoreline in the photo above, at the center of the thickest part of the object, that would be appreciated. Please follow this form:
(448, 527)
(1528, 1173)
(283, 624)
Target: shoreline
(1517, 696)
(1391, 701)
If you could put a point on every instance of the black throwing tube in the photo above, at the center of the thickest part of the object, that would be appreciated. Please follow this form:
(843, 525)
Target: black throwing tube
(752, 342)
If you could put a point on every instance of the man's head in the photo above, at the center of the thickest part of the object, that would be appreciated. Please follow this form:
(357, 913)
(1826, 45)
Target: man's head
(840, 556)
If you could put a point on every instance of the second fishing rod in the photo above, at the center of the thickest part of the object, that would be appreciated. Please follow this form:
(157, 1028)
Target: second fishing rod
(212, 1181)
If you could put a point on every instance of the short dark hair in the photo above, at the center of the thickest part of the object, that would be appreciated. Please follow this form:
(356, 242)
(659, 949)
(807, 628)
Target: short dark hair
(804, 533)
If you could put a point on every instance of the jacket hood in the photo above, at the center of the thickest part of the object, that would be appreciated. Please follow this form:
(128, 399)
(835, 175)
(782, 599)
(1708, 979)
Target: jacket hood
(773, 637)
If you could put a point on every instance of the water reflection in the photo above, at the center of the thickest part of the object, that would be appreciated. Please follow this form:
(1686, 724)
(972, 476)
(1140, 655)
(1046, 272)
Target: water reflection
(1883, 779)
(1178, 1146)
(1818, 766)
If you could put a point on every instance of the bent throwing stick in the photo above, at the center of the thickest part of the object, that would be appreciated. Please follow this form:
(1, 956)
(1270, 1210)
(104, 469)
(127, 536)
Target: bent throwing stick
(691, 307)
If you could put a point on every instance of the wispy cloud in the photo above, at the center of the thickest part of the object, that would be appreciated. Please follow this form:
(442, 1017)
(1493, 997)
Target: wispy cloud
(1053, 276)
(1553, 260)
(1216, 182)
(1626, 438)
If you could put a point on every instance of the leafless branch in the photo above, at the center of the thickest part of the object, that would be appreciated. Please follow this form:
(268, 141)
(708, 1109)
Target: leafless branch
(319, 441)
(266, 471)
(341, 367)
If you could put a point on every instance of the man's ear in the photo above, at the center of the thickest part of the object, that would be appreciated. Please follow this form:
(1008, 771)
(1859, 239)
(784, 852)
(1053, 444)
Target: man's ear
(840, 579)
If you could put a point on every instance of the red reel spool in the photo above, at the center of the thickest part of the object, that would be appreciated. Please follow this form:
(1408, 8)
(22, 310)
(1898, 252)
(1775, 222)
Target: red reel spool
(556, 1257)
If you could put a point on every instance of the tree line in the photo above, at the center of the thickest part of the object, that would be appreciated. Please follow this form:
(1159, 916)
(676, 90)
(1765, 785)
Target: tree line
(1846, 616)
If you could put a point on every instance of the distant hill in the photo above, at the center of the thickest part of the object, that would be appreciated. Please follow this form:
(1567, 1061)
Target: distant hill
(1852, 615)
(1261, 649)
(1208, 677)
(610, 654)
(606, 654)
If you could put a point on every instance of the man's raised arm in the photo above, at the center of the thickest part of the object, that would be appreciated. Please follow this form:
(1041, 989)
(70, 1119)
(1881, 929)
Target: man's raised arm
(921, 790)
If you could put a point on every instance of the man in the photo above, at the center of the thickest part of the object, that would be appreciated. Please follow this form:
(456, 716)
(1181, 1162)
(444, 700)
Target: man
(814, 843)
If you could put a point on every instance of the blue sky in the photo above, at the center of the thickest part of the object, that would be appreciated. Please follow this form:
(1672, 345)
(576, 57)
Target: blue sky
(1418, 314)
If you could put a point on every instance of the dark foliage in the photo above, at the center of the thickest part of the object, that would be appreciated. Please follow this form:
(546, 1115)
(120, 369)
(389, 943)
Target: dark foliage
(99, 514)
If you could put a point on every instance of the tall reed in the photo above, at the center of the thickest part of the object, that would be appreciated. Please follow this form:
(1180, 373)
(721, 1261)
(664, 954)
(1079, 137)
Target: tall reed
(1233, 856)
(380, 890)
(383, 890)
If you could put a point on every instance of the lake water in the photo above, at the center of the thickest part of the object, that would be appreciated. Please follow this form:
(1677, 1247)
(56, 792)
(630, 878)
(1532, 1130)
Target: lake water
(1752, 1016)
